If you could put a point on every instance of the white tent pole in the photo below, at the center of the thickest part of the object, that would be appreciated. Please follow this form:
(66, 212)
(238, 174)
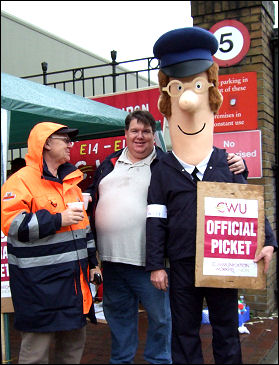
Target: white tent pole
(5, 129)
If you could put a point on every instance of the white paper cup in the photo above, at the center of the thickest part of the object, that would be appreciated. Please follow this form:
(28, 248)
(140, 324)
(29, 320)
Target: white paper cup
(76, 205)
(86, 197)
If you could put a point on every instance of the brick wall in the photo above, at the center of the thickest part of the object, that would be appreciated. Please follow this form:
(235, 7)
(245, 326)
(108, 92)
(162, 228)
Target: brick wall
(258, 17)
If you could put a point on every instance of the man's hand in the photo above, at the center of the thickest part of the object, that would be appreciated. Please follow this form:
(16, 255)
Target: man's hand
(94, 271)
(71, 216)
(236, 164)
(159, 278)
(266, 255)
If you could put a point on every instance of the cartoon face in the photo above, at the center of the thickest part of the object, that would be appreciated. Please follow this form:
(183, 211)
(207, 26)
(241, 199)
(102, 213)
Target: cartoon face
(189, 96)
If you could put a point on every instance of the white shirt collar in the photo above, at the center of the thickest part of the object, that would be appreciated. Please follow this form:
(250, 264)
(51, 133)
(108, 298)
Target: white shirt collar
(201, 166)
(146, 161)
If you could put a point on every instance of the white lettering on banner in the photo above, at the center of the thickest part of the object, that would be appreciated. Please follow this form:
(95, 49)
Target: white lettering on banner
(5, 275)
(229, 144)
(247, 154)
(230, 228)
(130, 109)
(4, 253)
(230, 80)
(222, 124)
(95, 148)
(156, 211)
(230, 247)
(5, 271)
(225, 115)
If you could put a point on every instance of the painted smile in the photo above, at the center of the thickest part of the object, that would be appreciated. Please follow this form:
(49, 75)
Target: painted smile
(191, 134)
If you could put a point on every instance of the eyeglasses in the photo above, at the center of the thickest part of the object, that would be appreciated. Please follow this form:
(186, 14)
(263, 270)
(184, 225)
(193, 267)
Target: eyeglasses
(145, 132)
(67, 140)
(176, 88)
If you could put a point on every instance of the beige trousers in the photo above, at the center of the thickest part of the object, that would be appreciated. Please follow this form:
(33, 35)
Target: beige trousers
(69, 346)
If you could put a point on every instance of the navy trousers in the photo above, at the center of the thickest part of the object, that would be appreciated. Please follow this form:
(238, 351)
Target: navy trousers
(186, 307)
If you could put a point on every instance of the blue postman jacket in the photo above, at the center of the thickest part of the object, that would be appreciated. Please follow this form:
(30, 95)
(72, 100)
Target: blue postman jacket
(172, 186)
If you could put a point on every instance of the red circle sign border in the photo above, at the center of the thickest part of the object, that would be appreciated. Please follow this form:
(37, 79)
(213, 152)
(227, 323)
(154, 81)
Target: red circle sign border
(246, 44)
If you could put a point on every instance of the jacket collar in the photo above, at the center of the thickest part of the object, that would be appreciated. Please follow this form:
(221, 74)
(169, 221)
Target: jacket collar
(63, 170)
(216, 157)
(115, 156)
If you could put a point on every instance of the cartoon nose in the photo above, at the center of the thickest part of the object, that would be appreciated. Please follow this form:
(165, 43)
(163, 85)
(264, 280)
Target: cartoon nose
(189, 101)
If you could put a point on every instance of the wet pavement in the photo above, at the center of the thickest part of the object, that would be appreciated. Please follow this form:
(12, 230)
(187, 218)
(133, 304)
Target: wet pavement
(258, 347)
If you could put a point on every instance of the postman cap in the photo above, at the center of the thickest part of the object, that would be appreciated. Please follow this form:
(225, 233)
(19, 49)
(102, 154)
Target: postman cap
(72, 132)
(185, 51)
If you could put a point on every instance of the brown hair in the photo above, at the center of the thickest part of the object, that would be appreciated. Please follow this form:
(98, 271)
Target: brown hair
(143, 116)
(215, 97)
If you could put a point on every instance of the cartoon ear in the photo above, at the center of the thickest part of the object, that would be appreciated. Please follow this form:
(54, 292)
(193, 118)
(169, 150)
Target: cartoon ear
(159, 102)
(221, 95)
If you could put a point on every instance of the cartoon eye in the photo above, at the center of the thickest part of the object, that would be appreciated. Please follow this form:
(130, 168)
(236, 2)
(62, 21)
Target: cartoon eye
(179, 87)
(198, 85)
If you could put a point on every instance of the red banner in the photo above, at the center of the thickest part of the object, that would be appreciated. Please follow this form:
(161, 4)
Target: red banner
(239, 110)
(141, 99)
(4, 259)
(5, 276)
(87, 155)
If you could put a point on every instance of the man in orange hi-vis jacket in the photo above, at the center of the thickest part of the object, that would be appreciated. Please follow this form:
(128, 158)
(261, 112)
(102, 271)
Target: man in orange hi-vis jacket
(51, 250)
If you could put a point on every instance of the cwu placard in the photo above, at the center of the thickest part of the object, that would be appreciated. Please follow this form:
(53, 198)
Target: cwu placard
(230, 232)
(230, 238)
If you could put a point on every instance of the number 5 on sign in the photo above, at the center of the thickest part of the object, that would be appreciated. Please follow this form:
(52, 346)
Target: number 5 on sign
(234, 42)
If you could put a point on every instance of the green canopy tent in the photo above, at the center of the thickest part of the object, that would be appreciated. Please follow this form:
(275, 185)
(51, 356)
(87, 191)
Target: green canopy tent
(25, 103)
(30, 103)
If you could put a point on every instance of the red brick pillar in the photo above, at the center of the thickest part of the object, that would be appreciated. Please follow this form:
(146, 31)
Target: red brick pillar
(258, 17)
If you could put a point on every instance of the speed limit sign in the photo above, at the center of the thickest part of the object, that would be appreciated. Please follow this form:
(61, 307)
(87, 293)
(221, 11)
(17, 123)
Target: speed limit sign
(234, 42)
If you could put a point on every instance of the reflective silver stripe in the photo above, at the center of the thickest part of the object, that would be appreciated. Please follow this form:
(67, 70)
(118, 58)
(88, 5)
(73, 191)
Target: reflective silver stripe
(49, 240)
(33, 227)
(24, 263)
(91, 244)
(13, 230)
(82, 254)
(79, 233)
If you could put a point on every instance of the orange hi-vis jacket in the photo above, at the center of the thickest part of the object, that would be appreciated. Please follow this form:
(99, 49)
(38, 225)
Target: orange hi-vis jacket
(48, 264)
